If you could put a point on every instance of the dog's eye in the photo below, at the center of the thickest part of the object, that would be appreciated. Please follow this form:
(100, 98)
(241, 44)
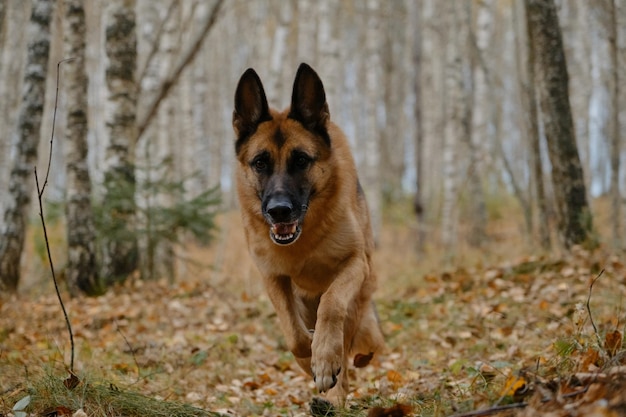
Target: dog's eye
(301, 161)
(260, 165)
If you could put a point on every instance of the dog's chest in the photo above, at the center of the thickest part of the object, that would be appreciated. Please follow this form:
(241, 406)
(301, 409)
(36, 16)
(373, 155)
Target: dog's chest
(309, 273)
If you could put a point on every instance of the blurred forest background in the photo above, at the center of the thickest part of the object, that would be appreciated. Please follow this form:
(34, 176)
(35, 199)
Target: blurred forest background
(437, 97)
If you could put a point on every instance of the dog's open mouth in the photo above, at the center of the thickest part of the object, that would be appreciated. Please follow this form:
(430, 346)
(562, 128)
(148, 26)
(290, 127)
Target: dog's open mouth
(285, 233)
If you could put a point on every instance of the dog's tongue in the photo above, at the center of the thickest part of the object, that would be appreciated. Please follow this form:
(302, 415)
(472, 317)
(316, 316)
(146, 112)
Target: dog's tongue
(284, 228)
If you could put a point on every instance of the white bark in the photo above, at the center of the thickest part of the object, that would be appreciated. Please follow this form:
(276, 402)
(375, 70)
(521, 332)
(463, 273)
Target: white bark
(21, 181)
(453, 130)
(80, 270)
(307, 28)
(154, 149)
(276, 85)
(371, 178)
(120, 250)
(12, 55)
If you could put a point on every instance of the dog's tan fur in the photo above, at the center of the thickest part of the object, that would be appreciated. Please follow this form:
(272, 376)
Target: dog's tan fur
(320, 285)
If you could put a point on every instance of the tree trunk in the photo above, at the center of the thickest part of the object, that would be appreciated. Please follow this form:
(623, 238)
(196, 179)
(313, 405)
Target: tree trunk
(415, 13)
(120, 254)
(28, 131)
(160, 260)
(454, 129)
(307, 29)
(328, 53)
(615, 140)
(81, 265)
(574, 216)
(372, 184)
(278, 55)
(13, 49)
(477, 205)
(393, 143)
(536, 168)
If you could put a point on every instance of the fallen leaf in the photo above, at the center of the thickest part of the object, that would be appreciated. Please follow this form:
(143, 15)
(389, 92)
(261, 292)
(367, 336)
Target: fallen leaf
(71, 382)
(394, 377)
(398, 410)
(591, 357)
(613, 342)
(515, 386)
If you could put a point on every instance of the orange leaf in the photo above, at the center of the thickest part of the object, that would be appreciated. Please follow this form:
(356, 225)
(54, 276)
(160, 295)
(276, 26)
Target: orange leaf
(251, 385)
(590, 357)
(515, 386)
(613, 342)
(295, 400)
(394, 376)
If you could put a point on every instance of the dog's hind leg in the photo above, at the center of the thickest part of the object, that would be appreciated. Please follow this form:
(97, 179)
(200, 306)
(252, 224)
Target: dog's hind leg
(368, 339)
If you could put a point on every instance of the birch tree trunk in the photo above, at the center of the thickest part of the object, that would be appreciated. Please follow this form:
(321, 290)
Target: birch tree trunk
(536, 166)
(21, 181)
(307, 28)
(579, 52)
(453, 130)
(278, 54)
(160, 252)
(328, 52)
(615, 139)
(415, 13)
(392, 146)
(81, 265)
(477, 206)
(120, 254)
(12, 53)
(573, 214)
(372, 184)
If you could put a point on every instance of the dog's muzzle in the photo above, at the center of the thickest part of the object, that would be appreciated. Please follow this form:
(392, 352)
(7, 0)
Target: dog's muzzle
(284, 220)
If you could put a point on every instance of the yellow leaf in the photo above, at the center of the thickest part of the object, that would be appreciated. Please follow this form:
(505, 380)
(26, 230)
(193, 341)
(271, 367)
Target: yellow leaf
(515, 386)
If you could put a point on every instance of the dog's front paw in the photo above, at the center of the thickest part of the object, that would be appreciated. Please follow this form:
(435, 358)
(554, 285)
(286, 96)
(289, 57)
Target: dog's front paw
(326, 364)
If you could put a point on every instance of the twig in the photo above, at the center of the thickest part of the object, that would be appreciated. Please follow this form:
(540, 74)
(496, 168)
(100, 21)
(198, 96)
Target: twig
(595, 329)
(54, 118)
(495, 410)
(491, 411)
(43, 222)
(130, 347)
(155, 45)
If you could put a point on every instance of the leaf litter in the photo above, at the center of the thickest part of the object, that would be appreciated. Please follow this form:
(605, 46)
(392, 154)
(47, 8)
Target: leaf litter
(513, 338)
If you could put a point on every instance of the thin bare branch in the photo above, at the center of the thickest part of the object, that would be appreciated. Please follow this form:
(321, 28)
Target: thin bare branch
(54, 117)
(157, 40)
(595, 329)
(43, 222)
(174, 75)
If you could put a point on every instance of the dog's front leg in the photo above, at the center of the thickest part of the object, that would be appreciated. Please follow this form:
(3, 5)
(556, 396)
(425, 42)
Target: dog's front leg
(329, 348)
(297, 336)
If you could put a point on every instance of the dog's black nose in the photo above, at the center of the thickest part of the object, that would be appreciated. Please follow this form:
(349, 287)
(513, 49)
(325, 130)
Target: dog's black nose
(279, 209)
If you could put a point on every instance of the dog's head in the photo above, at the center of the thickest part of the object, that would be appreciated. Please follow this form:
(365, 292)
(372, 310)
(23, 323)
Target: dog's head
(282, 155)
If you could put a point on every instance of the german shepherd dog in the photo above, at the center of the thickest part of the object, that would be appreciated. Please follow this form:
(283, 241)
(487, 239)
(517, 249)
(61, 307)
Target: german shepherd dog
(307, 227)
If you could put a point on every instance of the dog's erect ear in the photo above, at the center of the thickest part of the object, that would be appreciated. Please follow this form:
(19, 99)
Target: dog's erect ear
(308, 102)
(250, 105)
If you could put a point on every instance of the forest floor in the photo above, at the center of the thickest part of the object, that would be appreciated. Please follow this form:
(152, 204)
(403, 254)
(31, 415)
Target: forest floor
(506, 334)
